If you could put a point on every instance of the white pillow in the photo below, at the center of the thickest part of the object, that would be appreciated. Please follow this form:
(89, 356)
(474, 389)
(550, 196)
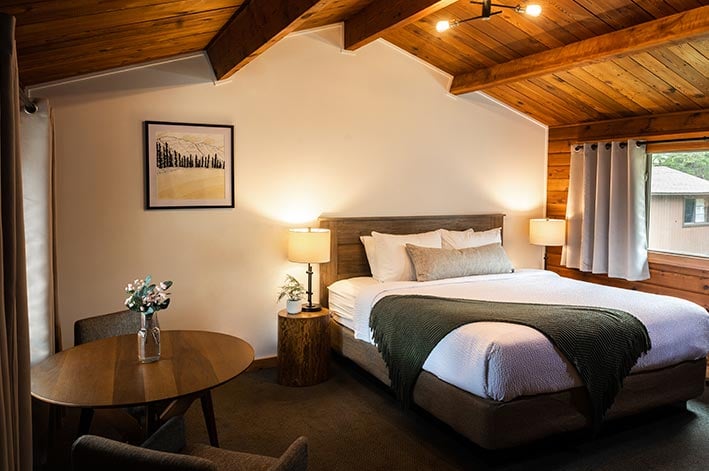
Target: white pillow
(392, 263)
(449, 239)
(370, 250)
(469, 238)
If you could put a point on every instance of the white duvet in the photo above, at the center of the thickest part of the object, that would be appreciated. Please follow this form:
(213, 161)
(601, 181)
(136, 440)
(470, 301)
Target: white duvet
(503, 361)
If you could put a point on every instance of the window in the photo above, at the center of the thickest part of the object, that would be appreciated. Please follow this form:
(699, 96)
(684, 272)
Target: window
(695, 211)
(679, 203)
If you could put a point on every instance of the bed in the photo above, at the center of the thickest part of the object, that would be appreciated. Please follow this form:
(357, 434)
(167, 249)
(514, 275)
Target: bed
(490, 417)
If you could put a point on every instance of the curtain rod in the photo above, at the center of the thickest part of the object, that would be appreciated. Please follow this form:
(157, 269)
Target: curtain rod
(669, 141)
(27, 103)
(622, 145)
(642, 143)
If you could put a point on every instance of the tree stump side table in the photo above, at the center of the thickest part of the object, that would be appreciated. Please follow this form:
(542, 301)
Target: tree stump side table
(303, 348)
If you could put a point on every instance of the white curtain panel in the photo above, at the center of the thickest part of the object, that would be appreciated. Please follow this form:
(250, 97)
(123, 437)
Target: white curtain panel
(605, 210)
(37, 146)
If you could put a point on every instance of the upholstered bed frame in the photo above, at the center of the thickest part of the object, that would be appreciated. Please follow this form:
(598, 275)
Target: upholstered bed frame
(488, 423)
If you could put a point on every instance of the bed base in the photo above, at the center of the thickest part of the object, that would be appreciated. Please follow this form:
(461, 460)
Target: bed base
(495, 425)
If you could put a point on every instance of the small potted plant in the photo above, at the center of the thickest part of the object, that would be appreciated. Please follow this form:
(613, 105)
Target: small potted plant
(294, 291)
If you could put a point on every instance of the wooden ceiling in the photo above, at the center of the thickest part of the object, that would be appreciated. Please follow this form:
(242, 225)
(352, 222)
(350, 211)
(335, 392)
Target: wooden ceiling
(580, 61)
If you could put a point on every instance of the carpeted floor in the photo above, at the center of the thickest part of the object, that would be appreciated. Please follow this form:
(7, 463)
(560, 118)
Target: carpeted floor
(352, 423)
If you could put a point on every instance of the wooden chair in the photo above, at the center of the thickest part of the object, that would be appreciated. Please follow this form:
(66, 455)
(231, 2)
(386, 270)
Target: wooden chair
(167, 450)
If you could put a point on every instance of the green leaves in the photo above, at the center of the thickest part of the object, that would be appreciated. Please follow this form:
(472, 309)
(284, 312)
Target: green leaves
(291, 289)
(693, 163)
(146, 297)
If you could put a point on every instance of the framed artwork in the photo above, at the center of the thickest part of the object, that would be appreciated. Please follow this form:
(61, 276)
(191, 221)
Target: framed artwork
(189, 165)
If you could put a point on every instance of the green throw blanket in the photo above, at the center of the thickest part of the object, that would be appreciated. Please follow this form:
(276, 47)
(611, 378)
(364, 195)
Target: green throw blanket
(602, 344)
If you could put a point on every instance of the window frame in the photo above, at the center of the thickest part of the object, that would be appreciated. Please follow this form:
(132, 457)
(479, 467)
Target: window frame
(657, 257)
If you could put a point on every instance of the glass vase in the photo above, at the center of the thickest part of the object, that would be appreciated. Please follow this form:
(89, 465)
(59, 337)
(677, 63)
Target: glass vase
(149, 339)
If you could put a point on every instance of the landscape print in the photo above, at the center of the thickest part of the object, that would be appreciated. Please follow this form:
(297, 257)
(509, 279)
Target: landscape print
(189, 165)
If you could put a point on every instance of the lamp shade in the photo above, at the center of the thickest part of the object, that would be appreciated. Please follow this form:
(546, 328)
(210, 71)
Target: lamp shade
(547, 231)
(309, 245)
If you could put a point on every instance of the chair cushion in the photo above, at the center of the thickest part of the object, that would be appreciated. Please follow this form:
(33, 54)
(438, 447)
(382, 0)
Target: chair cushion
(231, 460)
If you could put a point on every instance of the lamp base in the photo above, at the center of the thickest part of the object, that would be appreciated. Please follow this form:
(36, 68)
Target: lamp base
(312, 308)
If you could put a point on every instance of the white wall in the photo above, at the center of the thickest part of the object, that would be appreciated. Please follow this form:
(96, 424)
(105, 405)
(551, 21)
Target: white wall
(317, 132)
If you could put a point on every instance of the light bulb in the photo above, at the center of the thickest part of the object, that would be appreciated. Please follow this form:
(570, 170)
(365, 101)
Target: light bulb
(533, 10)
(442, 26)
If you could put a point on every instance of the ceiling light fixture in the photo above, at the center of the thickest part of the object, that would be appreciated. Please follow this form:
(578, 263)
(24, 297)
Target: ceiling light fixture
(531, 10)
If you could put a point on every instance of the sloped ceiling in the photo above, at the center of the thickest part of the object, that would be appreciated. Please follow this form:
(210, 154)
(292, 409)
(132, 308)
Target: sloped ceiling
(580, 61)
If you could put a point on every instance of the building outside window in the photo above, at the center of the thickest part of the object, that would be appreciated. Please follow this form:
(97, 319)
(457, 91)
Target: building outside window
(679, 203)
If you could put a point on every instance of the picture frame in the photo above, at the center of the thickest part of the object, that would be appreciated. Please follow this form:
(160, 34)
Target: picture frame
(188, 165)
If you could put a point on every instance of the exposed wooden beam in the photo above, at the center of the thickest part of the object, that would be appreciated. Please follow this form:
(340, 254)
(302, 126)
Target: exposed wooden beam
(255, 28)
(381, 16)
(643, 127)
(661, 32)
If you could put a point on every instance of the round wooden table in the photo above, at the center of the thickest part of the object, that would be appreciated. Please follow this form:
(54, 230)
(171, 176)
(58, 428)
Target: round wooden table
(107, 373)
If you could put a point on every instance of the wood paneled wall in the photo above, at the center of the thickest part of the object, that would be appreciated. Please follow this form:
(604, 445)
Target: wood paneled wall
(683, 277)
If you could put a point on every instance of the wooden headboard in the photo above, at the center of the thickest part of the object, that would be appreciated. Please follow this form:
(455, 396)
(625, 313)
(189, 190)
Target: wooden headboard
(347, 256)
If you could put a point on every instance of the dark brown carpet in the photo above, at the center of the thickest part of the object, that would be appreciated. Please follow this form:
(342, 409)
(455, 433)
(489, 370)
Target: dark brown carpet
(353, 423)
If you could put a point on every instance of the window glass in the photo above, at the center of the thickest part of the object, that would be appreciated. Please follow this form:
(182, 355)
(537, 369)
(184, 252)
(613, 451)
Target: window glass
(679, 203)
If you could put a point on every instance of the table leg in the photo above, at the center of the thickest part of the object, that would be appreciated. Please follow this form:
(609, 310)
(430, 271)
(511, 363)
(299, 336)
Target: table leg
(177, 407)
(54, 425)
(152, 421)
(208, 411)
(85, 419)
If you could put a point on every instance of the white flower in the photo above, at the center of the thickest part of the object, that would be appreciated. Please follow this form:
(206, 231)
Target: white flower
(141, 301)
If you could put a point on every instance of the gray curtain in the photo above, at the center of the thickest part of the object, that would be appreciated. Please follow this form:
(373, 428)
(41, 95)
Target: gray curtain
(605, 210)
(16, 414)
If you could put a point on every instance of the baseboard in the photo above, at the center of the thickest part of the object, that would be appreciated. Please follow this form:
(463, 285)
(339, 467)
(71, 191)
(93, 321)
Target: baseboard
(263, 363)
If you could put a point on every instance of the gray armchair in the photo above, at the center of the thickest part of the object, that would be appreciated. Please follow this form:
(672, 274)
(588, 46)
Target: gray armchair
(166, 450)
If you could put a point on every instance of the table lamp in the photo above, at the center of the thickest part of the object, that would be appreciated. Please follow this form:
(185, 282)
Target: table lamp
(309, 245)
(547, 232)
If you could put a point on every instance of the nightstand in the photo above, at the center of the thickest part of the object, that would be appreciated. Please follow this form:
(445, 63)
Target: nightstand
(303, 347)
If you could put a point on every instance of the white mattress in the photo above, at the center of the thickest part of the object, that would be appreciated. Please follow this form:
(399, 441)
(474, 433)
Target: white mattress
(342, 296)
(503, 361)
